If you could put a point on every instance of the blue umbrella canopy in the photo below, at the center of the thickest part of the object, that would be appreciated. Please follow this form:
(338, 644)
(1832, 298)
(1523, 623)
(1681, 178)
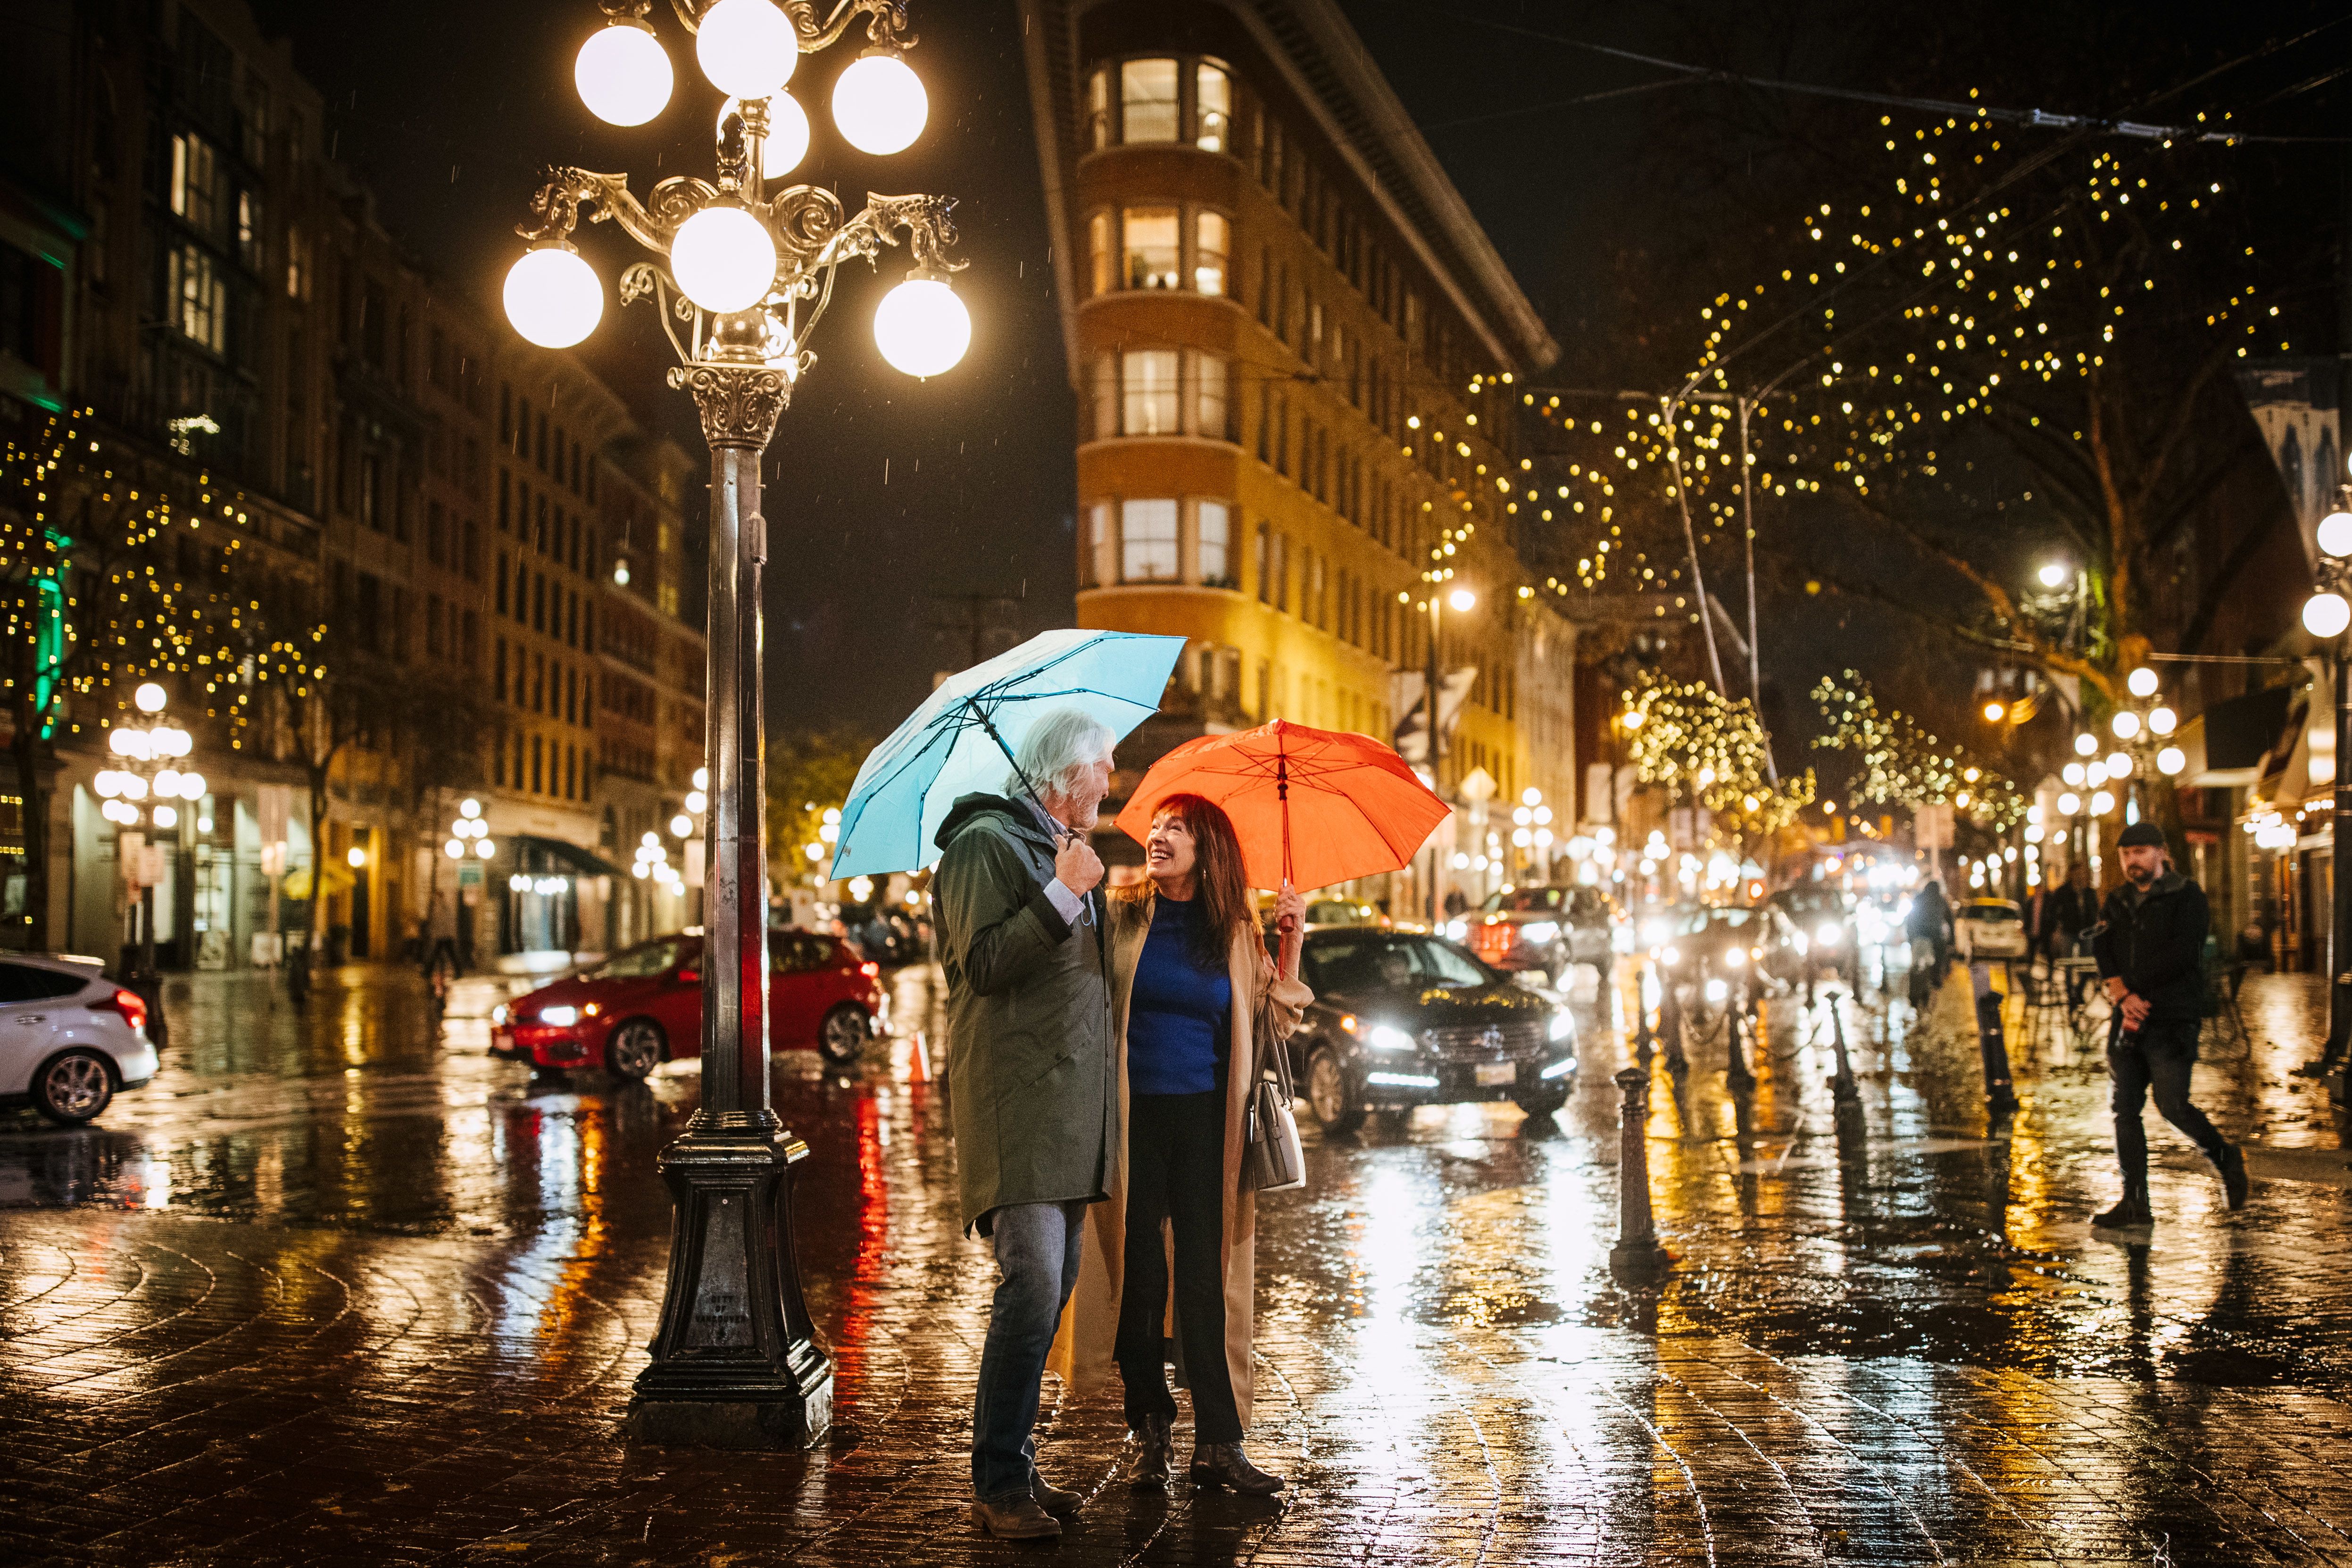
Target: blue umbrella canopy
(963, 739)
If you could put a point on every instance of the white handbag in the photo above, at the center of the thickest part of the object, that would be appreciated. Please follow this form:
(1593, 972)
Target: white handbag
(1271, 1157)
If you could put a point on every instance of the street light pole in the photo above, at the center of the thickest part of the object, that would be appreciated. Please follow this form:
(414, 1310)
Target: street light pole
(1436, 780)
(2326, 615)
(744, 275)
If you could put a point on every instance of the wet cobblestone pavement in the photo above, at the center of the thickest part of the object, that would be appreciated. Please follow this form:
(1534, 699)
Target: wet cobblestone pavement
(339, 1288)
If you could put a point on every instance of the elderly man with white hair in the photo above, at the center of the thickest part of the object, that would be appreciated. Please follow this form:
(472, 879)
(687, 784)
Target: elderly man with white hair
(1032, 1077)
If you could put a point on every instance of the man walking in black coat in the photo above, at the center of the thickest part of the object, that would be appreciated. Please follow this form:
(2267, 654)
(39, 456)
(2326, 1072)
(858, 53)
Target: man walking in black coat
(2152, 950)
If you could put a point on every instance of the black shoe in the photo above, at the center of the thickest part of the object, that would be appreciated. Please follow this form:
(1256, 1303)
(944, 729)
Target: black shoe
(1224, 1465)
(1154, 1455)
(1016, 1519)
(2231, 1163)
(2132, 1211)
(1053, 1498)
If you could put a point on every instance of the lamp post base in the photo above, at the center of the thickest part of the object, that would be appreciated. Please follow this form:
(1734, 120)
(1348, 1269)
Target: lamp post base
(1639, 1261)
(735, 1362)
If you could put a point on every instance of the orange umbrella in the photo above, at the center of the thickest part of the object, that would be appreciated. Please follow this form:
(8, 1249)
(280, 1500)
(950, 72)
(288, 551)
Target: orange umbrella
(1360, 810)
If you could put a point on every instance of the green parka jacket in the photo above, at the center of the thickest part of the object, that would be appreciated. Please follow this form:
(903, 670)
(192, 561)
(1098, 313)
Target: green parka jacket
(1033, 1085)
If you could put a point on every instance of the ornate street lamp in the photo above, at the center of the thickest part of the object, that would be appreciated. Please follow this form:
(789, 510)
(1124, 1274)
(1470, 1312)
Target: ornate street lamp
(741, 274)
(145, 793)
(2326, 615)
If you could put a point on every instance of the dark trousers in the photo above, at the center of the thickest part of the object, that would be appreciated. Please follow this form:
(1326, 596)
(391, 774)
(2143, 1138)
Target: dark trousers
(2159, 1056)
(1037, 1264)
(1176, 1174)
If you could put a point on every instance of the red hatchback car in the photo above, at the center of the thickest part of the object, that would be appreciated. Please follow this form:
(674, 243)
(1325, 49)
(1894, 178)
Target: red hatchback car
(643, 1005)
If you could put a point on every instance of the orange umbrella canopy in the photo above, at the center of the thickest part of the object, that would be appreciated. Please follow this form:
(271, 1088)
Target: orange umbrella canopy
(1311, 806)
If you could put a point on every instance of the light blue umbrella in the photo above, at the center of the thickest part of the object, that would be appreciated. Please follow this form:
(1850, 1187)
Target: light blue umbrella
(963, 737)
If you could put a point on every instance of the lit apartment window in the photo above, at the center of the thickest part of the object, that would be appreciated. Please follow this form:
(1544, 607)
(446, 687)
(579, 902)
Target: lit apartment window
(1093, 557)
(1214, 527)
(1148, 541)
(1212, 242)
(1098, 118)
(1213, 91)
(1213, 415)
(1147, 94)
(1150, 393)
(1100, 258)
(196, 180)
(1150, 247)
(197, 298)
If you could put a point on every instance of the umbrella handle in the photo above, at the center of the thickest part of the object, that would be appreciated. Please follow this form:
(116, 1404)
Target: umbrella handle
(1294, 938)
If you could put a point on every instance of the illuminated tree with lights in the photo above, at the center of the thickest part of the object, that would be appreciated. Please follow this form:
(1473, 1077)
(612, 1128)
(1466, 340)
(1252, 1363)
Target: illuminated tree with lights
(1897, 762)
(1703, 748)
(109, 581)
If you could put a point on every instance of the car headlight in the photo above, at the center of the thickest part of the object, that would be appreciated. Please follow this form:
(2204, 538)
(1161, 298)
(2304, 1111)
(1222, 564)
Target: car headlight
(559, 1017)
(1563, 1027)
(499, 1013)
(1829, 935)
(1388, 1037)
(1734, 956)
(1540, 931)
(1655, 931)
(1457, 929)
(1670, 954)
(1716, 990)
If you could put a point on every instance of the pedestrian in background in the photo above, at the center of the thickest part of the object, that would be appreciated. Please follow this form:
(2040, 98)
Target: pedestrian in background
(1199, 1009)
(2150, 946)
(1033, 1087)
(1930, 921)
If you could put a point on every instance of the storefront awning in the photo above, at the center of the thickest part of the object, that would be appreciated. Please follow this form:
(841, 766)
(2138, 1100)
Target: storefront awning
(534, 854)
(2227, 745)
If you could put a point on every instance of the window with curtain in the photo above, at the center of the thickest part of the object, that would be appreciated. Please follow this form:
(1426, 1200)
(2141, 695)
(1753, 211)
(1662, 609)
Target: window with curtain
(1265, 563)
(1106, 398)
(1214, 526)
(1146, 95)
(1153, 248)
(1150, 399)
(1212, 242)
(1098, 126)
(1148, 541)
(1099, 257)
(1095, 546)
(1212, 94)
(1213, 414)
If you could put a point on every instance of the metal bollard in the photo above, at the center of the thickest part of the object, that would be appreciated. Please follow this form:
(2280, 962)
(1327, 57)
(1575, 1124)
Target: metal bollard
(1644, 1041)
(1637, 1252)
(1737, 1077)
(2000, 1096)
(1670, 1027)
(1842, 1088)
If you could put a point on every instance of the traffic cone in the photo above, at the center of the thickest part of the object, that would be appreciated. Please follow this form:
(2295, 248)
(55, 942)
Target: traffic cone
(918, 1062)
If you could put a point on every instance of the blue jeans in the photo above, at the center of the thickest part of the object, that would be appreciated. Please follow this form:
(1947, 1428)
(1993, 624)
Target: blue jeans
(2159, 1057)
(1037, 1267)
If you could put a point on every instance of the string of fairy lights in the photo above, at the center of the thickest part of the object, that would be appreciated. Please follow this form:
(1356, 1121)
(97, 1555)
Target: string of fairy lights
(112, 582)
(1711, 750)
(1898, 761)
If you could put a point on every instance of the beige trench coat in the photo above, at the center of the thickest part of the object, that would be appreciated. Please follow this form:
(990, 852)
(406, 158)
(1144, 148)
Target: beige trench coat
(1083, 1348)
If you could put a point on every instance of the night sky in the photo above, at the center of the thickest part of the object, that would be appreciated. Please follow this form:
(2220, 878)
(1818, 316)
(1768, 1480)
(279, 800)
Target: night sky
(884, 490)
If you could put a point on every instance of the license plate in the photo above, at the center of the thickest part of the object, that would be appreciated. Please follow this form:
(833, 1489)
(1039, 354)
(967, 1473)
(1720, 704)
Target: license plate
(1493, 1072)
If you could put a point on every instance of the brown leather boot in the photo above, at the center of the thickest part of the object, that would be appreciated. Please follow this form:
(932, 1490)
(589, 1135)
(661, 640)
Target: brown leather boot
(1224, 1465)
(1016, 1519)
(2132, 1211)
(1147, 1467)
(1054, 1500)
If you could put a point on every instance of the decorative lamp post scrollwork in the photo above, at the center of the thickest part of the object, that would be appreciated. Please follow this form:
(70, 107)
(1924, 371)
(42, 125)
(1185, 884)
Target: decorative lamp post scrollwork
(740, 274)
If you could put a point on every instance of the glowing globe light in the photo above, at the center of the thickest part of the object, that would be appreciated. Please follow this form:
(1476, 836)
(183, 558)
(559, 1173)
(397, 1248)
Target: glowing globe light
(2073, 774)
(2119, 764)
(2069, 804)
(2052, 573)
(1463, 601)
(2171, 760)
(167, 817)
(722, 257)
(682, 825)
(469, 807)
(787, 141)
(2336, 534)
(554, 298)
(167, 783)
(2162, 721)
(2141, 682)
(622, 73)
(455, 849)
(2102, 803)
(921, 328)
(879, 103)
(484, 849)
(2125, 724)
(2326, 615)
(747, 47)
(2085, 744)
(149, 696)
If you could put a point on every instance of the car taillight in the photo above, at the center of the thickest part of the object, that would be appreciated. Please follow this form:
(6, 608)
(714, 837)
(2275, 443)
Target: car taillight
(130, 1004)
(872, 971)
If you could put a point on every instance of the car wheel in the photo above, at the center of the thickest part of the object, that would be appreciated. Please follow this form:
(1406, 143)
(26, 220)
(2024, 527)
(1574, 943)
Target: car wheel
(634, 1050)
(843, 1034)
(1334, 1100)
(1541, 1102)
(73, 1087)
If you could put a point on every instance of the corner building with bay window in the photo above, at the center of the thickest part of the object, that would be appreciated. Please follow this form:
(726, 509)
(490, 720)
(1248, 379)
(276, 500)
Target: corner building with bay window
(1295, 352)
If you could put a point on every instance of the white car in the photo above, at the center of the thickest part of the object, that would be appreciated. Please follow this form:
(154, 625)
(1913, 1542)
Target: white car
(69, 1037)
(1988, 928)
